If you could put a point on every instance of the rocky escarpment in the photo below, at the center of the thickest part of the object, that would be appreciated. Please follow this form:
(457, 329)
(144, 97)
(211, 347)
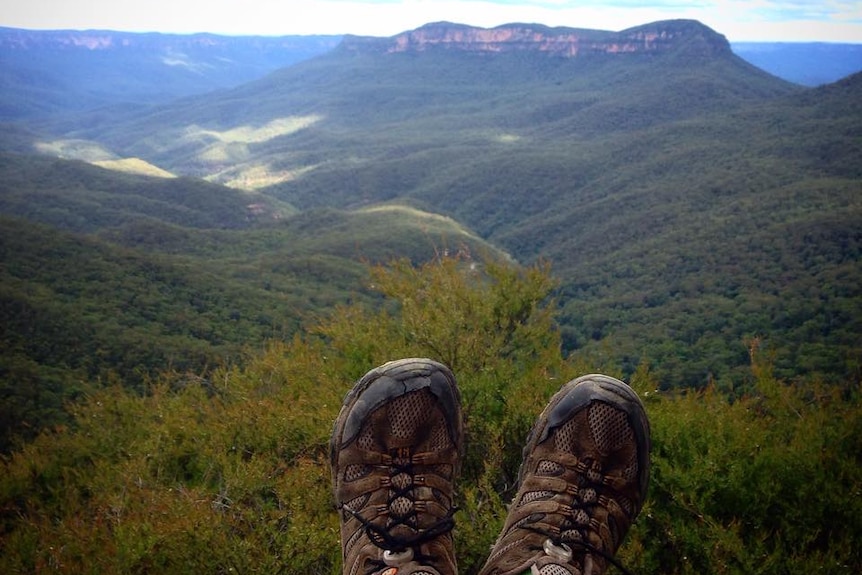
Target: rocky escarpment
(567, 42)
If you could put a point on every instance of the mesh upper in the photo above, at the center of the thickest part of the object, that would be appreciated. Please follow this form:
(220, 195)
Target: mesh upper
(609, 426)
(406, 413)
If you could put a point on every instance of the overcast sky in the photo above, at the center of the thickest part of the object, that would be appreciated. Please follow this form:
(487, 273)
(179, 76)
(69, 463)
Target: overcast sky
(739, 20)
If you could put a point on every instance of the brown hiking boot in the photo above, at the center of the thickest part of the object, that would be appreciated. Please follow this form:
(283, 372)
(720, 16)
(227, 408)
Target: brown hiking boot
(395, 453)
(582, 482)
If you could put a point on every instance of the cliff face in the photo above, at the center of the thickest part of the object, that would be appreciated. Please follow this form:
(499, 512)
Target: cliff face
(566, 42)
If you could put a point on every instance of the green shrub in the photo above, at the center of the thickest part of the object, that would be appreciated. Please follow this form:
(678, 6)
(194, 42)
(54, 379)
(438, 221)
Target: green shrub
(229, 474)
(768, 483)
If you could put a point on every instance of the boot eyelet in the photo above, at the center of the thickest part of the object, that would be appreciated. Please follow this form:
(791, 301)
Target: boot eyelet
(393, 558)
(562, 551)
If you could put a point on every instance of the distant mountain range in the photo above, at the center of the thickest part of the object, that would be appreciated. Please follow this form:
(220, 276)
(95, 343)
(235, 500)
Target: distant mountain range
(51, 72)
(690, 202)
(805, 63)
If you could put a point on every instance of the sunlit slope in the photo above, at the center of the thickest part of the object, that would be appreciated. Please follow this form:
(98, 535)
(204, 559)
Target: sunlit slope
(75, 195)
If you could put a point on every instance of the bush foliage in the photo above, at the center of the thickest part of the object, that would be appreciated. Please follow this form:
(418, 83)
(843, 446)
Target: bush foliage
(227, 472)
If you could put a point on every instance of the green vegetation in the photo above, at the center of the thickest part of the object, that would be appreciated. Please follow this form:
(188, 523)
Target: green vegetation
(228, 473)
(146, 295)
(688, 202)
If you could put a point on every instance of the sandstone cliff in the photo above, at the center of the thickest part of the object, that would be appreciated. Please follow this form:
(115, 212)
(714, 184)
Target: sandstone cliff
(566, 42)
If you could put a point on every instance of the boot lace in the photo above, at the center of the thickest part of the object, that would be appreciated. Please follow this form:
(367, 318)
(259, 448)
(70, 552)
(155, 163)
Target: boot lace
(400, 549)
(572, 535)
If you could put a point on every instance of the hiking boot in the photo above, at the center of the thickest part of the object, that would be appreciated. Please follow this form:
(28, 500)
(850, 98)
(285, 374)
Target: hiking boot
(395, 453)
(582, 483)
